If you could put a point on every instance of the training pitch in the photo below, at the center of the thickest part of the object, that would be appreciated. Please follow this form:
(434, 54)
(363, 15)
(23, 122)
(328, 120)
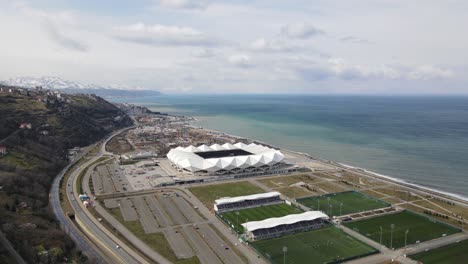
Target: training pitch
(317, 246)
(336, 204)
(257, 214)
(418, 228)
(451, 254)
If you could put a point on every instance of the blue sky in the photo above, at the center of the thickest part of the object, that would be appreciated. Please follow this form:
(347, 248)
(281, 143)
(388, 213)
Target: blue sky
(208, 46)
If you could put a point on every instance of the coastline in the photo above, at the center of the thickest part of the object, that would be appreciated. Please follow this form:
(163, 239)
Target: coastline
(392, 179)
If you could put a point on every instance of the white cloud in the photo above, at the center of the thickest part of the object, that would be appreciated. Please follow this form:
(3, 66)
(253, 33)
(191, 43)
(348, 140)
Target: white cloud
(204, 53)
(263, 45)
(426, 72)
(240, 60)
(162, 35)
(339, 68)
(301, 30)
(184, 4)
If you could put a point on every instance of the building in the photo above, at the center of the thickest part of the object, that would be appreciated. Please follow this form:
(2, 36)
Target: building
(143, 155)
(248, 201)
(280, 226)
(25, 126)
(225, 159)
(3, 150)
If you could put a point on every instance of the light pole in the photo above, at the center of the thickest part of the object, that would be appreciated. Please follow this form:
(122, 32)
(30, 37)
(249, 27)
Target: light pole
(318, 204)
(381, 236)
(328, 199)
(237, 223)
(285, 249)
(331, 209)
(341, 205)
(391, 235)
(406, 235)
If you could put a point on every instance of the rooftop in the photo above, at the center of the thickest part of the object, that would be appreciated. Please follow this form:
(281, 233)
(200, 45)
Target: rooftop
(285, 220)
(223, 153)
(245, 198)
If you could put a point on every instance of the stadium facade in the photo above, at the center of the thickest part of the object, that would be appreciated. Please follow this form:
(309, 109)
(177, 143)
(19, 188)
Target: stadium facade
(249, 201)
(225, 159)
(280, 226)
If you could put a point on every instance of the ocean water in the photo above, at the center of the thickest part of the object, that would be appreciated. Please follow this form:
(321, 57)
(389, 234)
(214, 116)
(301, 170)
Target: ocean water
(422, 140)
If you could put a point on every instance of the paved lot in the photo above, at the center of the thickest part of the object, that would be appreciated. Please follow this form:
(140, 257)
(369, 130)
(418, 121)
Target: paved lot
(97, 182)
(178, 243)
(146, 218)
(226, 254)
(177, 217)
(158, 212)
(186, 209)
(112, 203)
(107, 184)
(128, 212)
(203, 251)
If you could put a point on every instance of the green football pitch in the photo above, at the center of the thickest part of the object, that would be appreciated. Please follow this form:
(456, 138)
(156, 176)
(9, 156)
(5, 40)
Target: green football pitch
(257, 214)
(317, 246)
(418, 227)
(343, 203)
(452, 254)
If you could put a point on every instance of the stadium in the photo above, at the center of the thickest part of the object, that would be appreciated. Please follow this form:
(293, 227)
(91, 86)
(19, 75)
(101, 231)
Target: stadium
(225, 159)
(280, 226)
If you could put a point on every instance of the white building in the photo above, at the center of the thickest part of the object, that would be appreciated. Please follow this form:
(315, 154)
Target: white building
(225, 159)
(248, 201)
(280, 226)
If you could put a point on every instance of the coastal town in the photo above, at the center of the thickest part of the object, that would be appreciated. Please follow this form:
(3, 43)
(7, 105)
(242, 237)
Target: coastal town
(210, 197)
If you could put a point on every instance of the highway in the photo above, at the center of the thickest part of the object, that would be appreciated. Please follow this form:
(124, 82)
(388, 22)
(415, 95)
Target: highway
(68, 226)
(104, 247)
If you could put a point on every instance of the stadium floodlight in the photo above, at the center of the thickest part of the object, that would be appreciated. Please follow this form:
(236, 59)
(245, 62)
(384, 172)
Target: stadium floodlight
(406, 236)
(237, 222)
(331, 210)
(381, 236)
(328, 199)
(392, 226)
(341, 205)
(318, 204)
(285, 249)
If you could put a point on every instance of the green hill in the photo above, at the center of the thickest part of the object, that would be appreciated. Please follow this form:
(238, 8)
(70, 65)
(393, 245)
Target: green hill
(37, 127)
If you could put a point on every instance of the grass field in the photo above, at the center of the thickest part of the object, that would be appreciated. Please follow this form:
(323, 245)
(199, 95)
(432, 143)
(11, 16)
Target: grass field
(317, 246)
(209, 193)
(451, 254)
(352, 202)
(420, 228)
(258, 214)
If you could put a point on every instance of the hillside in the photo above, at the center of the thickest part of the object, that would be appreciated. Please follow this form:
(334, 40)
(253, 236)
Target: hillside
(36, 129)
(71, 87)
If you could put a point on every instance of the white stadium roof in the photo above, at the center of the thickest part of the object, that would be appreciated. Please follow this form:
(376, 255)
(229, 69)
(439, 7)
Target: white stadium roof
(247, 197)
(285, 220)
(186, 158)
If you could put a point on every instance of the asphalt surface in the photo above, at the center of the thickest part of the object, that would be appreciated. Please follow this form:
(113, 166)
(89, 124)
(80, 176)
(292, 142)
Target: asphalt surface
(88, 248)
(101, 237)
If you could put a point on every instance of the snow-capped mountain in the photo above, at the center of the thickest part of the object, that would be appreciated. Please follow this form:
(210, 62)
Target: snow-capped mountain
(56, 83)
(48, 82)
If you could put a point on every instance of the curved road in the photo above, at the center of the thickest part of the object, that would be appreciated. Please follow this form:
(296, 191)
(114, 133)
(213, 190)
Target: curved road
(67, 225)
(105, 247)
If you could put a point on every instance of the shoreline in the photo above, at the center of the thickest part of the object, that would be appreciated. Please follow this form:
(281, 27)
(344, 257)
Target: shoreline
(394, 180)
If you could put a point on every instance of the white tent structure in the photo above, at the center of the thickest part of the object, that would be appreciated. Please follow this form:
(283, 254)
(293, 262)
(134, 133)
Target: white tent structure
(279, 226)
(255, 158)
(247, 201)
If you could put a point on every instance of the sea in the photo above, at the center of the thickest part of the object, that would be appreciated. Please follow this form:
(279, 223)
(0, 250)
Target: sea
(417, 139)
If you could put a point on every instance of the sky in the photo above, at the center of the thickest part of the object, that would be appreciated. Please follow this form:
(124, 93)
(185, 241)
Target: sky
(241, 46)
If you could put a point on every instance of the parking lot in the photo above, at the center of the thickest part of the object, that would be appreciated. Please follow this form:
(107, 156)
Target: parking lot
(186, 230)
